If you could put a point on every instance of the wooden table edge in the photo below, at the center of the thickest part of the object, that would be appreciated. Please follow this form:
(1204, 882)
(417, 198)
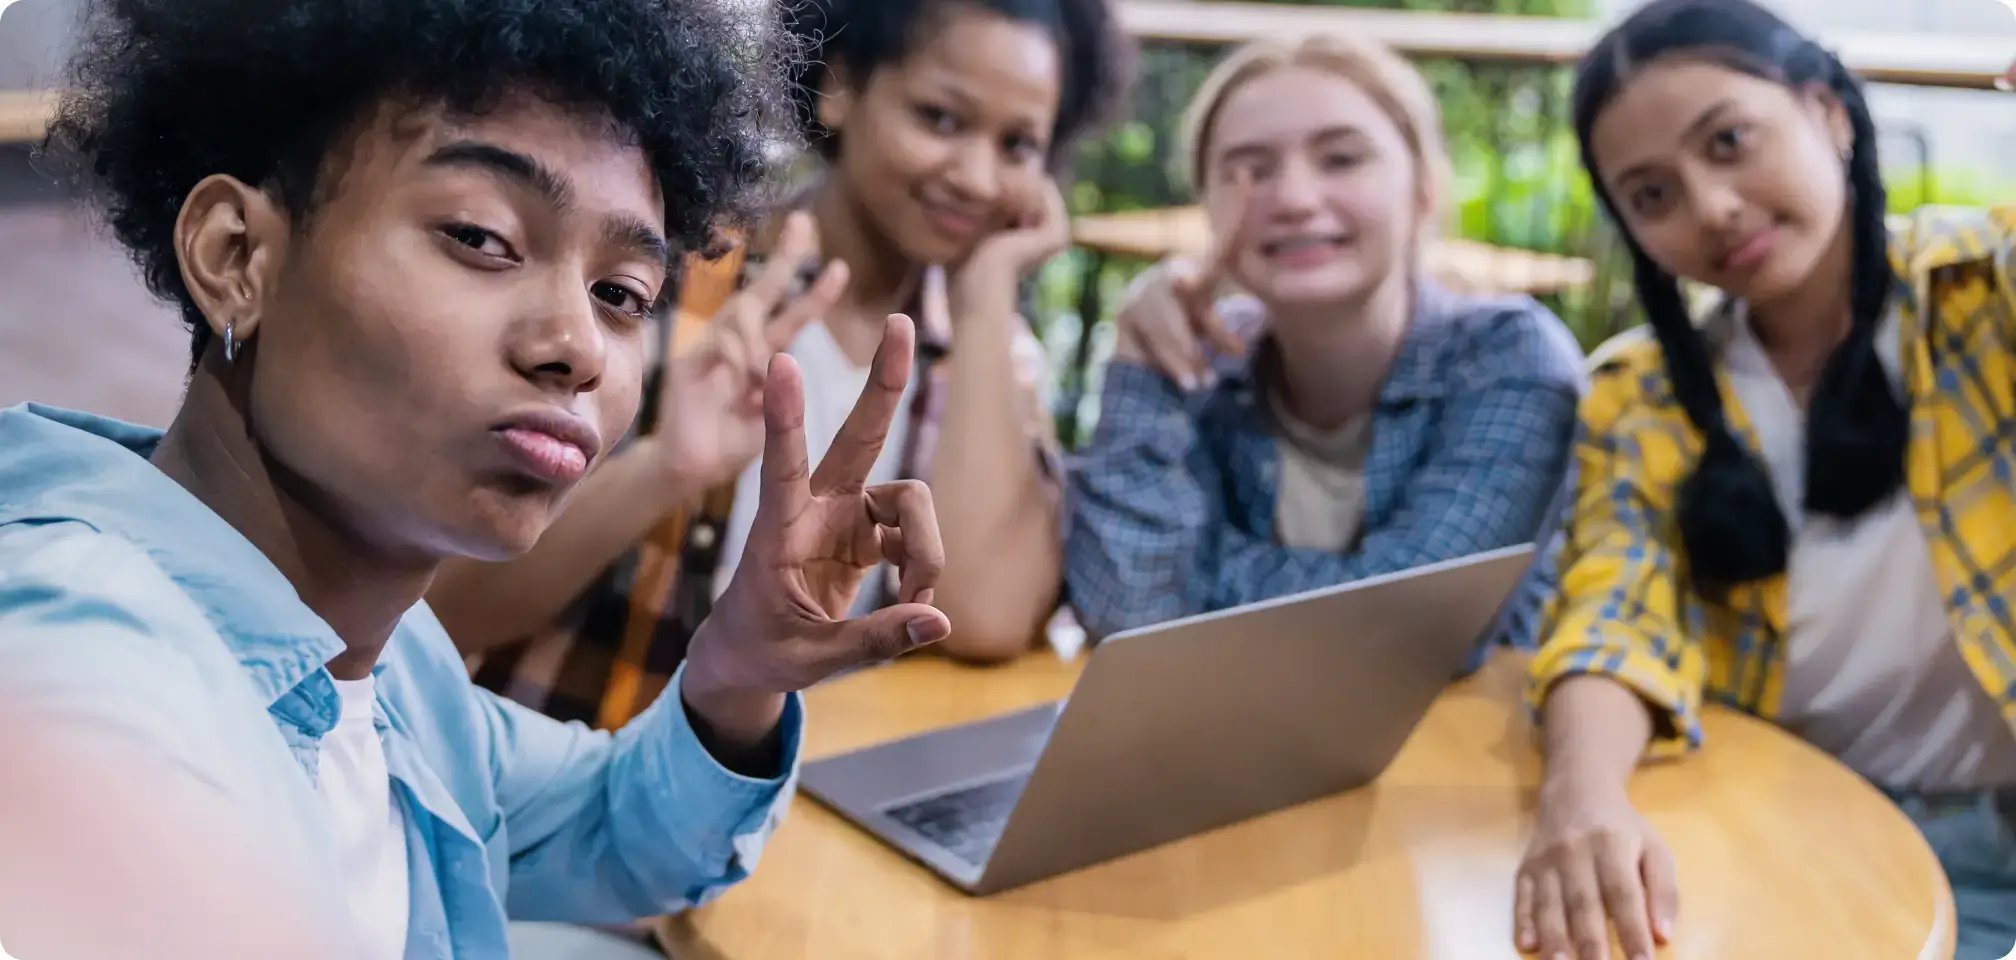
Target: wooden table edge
(680, 938)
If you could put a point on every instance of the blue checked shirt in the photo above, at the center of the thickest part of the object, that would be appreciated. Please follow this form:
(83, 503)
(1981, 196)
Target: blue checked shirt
(1172, 508)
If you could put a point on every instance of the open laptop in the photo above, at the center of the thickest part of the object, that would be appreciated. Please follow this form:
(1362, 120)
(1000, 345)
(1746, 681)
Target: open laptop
(1175, 729)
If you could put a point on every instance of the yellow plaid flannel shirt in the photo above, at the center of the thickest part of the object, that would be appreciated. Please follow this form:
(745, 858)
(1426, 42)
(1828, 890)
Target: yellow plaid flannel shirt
(1625, 609)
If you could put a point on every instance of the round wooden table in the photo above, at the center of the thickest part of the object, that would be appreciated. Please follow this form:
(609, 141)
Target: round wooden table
(1783, 853)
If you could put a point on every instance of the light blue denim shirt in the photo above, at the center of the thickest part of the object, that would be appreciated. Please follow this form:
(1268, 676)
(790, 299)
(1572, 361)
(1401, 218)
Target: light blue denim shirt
(127, 604)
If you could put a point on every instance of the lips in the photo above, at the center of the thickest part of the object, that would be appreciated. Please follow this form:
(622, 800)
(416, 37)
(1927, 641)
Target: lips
(1747, 253)
(549, 444)
(953, 222)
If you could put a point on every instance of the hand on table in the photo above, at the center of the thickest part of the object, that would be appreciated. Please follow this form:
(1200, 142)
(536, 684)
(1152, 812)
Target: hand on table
(1593, 861)
(1170, 311)
(778, 627)
(710, 404)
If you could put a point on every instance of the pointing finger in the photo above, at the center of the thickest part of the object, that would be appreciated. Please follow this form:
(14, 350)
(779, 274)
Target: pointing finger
(1230, 229)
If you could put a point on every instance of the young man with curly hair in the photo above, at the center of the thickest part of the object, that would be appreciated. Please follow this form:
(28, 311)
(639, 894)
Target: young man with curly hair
(417, 243)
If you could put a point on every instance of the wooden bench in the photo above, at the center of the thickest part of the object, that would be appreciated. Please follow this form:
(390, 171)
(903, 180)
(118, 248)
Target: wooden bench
(1461, 264)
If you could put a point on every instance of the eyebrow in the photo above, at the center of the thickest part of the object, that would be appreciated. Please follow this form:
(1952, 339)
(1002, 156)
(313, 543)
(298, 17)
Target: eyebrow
(509, 166)
(639, 238)
(954, 89)
(517, 169)
(1706, 118)
(951, 86)
(1342, 131)
(1245, 151)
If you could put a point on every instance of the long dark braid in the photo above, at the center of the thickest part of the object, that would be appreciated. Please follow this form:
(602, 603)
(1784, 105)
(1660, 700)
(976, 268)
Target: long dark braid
(1731, 526)
(1857, 427)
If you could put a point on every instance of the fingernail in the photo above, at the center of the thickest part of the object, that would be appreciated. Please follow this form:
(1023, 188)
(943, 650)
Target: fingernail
(1641, 956)
(927, 596)
(1526, 940)
(928, 630)
(1664, 929)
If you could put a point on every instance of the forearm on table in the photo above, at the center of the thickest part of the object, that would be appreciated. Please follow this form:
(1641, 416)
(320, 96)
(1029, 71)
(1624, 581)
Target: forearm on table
(1595, 730)
(998, 591)
(1144, 508)
(484, 605)
(997, 506)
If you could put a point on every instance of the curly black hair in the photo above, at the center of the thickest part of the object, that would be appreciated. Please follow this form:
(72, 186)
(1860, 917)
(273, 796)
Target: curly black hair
(166, 92)
(860, 35)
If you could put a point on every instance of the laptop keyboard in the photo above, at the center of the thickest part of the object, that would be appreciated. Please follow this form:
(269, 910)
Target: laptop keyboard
(966, 821)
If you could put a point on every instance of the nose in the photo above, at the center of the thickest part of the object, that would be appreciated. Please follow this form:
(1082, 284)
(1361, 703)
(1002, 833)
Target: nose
(975, 172)
(1297, 190)
(1716, 202)
(562, 345)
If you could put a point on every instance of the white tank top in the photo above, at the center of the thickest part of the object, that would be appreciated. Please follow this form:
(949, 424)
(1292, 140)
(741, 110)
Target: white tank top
(1872, 673)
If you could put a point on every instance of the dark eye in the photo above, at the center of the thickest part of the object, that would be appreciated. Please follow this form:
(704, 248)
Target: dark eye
(485, 242)
(622, 299)
(937, 119)
(1648, 199)
(1024, 149)
(1342, 159)
(1021, 148)
(1730, 142)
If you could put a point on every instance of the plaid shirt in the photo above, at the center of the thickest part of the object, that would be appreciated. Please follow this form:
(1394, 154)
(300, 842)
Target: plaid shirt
(1626, 609)
(1172, 511)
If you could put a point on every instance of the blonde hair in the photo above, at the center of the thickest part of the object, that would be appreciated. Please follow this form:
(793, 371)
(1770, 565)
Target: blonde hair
(1392, 83)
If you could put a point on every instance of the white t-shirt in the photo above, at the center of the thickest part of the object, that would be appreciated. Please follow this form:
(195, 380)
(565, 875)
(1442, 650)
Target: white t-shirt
(1320, 500)
(833, 382)
(1872, 675)
(369, 828)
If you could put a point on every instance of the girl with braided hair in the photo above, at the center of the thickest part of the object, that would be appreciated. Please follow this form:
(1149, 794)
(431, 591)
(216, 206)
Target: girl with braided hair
(1800, 504)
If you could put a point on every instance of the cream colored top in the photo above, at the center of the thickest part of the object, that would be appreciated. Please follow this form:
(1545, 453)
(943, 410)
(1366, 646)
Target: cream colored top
(1321, 497)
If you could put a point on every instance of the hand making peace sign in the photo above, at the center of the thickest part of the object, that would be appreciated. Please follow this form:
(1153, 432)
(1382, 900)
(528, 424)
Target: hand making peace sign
(779, 627)
(711, 401)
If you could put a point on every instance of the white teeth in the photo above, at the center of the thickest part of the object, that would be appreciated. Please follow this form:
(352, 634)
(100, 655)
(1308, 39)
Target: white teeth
(1279, 247)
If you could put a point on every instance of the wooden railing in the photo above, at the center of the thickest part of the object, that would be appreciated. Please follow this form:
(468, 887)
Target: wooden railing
(1919, 59)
